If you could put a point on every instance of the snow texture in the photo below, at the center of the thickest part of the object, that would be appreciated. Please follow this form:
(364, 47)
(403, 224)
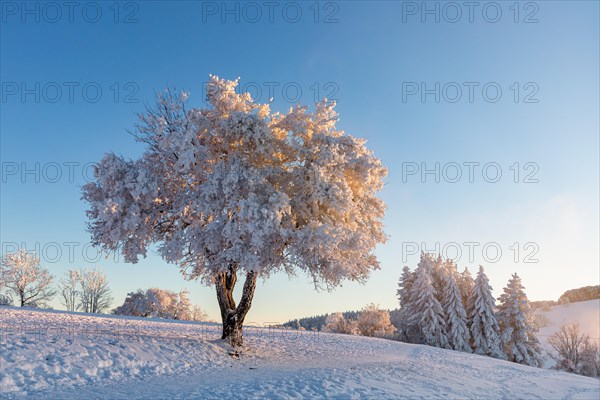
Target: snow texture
(134, 358)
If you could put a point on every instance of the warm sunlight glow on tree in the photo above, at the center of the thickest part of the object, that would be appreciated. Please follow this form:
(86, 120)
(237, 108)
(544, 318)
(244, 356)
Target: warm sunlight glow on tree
(236, 189)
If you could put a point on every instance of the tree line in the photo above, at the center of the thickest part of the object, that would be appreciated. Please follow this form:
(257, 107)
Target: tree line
(25, 282)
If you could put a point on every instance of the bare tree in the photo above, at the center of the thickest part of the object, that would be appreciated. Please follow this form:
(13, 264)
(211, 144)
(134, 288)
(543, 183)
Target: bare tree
(26, 279)
(68, 287)
(198, 314)
(575, 352)
(94, 296)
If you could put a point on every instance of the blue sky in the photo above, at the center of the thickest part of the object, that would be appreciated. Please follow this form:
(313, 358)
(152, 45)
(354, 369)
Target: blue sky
(371, 56)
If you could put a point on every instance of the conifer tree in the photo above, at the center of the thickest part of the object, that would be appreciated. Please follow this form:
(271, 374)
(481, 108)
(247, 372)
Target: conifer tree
(437, 276)
(454, 311)
(465, 285)
(404, 296)
(518, 326)
(484, 328)
(428, 315)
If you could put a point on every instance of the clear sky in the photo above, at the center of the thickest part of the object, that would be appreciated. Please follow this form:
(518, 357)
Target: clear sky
(462, 91)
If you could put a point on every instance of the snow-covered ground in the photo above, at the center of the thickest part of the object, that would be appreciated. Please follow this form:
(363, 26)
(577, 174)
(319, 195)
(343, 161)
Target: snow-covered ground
(586, 313)
(67, 355)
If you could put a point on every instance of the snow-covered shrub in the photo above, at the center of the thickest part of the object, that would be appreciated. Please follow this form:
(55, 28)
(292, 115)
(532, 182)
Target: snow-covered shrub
(160, 303)
(134, 305)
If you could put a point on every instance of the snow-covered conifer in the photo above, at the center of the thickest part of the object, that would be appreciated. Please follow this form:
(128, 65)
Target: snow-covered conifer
(454, 311)
(465, 285)
(428, 316)
(438, 272)
(517, 325)
(485, 332)
(404, 286)
(404, 296)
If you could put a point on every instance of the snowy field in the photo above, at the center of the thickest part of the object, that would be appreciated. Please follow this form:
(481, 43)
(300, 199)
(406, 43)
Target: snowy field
(48, 355)
(586, 313)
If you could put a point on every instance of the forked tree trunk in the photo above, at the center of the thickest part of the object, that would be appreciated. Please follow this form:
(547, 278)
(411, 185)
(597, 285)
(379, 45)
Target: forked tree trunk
(232, 316)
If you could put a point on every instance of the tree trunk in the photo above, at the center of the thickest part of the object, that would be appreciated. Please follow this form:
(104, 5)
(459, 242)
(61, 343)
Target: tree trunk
(232, 316)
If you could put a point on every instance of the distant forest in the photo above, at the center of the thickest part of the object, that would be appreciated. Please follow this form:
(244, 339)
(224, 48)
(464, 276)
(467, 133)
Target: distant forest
(317, 322)
(570, 296)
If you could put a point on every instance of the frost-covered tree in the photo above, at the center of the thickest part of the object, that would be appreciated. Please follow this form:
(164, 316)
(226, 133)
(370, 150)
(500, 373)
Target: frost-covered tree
(465, 285)
(454, 311)
(68, 288)
(23, 277)
(183, 307)
(375, 322)
(94, 293)
(427, 318)
(404, 296)
(161, 303)
(336, 323)
(235, 189)
(517, 324)
(575, 352)
(485, 331)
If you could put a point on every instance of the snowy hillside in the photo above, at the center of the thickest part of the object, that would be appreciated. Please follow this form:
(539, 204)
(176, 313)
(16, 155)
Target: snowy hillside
(66, 355)
(586, 313)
